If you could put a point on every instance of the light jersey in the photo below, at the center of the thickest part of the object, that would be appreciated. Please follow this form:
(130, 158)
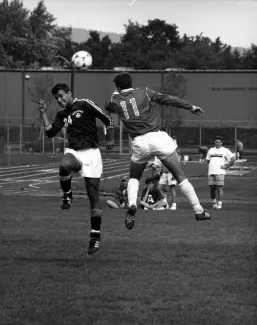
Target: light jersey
(217, 158)
(136, 110)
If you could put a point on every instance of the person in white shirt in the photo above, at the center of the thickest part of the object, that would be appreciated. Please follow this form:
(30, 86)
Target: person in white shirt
(219, 159)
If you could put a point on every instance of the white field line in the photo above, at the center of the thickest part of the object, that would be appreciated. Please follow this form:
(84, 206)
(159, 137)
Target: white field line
(43, 167)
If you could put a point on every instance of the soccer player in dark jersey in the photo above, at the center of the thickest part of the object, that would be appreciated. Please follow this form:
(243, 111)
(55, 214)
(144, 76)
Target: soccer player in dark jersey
(83, 155)
(143, 123)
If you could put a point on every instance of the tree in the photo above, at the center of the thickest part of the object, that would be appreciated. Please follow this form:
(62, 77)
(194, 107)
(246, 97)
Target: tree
(249, 59)
(174, 83)
(14, 30)
(42, 90)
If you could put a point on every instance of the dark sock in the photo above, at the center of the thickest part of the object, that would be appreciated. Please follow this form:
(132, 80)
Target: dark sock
(66, 185)
(96, 219)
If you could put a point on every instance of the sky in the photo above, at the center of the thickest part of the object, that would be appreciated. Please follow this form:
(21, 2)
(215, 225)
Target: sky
(234, 21)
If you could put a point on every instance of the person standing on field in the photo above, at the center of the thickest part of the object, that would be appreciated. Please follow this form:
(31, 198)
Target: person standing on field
(219, 159)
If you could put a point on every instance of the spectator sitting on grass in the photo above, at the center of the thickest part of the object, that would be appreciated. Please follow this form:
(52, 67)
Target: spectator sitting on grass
(121, 197)
(152, 197)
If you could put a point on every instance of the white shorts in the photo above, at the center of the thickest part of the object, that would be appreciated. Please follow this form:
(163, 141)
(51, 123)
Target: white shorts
(167, 179)
(90, 160)
(158, 144)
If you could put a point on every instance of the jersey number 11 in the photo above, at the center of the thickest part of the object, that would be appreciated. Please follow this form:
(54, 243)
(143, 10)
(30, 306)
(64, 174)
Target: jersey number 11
(131, 109)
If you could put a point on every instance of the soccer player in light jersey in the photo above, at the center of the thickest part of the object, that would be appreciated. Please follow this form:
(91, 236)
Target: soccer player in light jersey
(79, 117)
(219, 159)
(140, 118)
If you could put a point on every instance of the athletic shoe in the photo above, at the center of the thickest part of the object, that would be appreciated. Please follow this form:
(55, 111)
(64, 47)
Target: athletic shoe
(215, 206)
(173, 207)
(202, 216)
(162, 208)
(94, 242)
(66, 201)
(219, 207)
(130, 217)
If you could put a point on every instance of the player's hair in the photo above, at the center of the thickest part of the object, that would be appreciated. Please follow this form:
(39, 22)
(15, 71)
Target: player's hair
(60, 86)
(157, 177)
(123, 80)
(148, 180)
(219, 137)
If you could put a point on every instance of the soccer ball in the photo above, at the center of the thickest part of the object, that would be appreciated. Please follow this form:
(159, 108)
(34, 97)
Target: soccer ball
(82, 59)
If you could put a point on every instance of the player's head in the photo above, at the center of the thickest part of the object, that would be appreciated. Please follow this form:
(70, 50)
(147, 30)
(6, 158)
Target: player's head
(124, 182)
(62, 94)
(122, 81)
(156, 179)
(218, 141)
(149, 182)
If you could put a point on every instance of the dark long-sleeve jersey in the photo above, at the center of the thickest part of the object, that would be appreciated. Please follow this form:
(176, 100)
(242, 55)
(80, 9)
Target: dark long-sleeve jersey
(80, 120)
(136, 110)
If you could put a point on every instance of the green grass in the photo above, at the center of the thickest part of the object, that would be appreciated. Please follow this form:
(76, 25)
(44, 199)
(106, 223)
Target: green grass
(169, 269)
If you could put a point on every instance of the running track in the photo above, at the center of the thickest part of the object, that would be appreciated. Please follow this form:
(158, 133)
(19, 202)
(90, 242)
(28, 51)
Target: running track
(45, 176)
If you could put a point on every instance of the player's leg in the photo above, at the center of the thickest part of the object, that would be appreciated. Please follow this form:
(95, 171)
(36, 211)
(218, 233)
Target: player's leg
(213, 190)
(173, 197)
(92, 188)
(112, 204)
(68, 164)
(164, 148)
(91, 170)
(220, 185)
(136, 171)
(173, 164)
(163, 187)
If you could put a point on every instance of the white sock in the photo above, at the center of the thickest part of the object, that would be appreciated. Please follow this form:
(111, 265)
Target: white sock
(189, 192)
(219, 203)
(214, 201)
(133, 186)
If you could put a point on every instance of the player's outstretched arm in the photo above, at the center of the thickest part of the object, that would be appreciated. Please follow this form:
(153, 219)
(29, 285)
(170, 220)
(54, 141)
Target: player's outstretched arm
(51, 129)
(110, 138)
(41, 106)
(166, 99)
(197, 111)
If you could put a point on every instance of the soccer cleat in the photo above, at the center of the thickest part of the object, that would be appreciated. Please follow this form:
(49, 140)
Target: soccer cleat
(130, 217)
(94, 243)
(218, 207)
(66, 201)
(202, 216)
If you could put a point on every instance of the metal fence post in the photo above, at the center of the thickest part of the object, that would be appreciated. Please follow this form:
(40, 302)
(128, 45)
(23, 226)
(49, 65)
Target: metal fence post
(121, 139)
(20, 138)
(43, 140)
(235, 137)
(200, 135)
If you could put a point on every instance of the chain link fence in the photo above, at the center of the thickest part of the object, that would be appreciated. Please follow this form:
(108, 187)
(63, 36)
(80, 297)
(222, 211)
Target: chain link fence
(28, 136)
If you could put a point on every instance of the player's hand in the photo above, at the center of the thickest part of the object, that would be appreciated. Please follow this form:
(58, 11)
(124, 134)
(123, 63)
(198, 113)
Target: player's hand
(197, 111)
(109, 145)
(41, 106)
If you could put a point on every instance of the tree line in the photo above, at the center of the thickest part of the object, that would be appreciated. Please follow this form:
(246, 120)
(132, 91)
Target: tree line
(31, 40)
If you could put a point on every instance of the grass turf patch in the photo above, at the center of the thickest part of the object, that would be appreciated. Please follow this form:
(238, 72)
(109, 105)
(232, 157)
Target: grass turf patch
(169, 269)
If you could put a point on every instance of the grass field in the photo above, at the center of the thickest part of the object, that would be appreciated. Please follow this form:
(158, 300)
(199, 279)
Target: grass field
(169, 269)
